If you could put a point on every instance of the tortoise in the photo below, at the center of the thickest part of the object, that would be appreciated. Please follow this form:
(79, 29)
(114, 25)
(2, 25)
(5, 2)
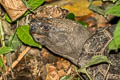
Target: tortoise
(72, 41)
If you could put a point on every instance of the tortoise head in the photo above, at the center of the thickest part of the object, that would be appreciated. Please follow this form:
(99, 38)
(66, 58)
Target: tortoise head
(45, 32)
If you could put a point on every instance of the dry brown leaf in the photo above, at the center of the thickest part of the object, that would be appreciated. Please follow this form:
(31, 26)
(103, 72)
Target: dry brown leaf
(62, 63)
(14, 8)
(101, 21)
(44, 53)
(61, 73)
(52, 72)
(80, 7)
(66, 64)
(59, 64)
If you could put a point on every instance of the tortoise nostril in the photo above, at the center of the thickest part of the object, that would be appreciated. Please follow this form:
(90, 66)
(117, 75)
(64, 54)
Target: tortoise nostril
(37, 39)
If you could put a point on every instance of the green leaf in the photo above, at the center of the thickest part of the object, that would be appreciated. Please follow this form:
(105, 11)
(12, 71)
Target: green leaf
(110, 0)
(76, 69)
(115, 10)
(24, 35)
(117, 2)
(83, 70)
(1, 62)
(33, 4)
(70, 16)
(117, 35)
(114, 1)
(25, 2)
(83, 23)
(78, 78)
(7, 18)
(13, 42)
(4, 50)
(65, 77)
(97, 9)
(27, 12)
(112, 46)
(97, 60)
(115, 43)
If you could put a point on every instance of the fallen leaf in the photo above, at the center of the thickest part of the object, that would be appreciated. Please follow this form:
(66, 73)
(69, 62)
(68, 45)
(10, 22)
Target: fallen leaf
(52, 72)
(61, 73)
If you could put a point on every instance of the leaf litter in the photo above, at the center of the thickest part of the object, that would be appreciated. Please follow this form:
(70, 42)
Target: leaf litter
(40, 64)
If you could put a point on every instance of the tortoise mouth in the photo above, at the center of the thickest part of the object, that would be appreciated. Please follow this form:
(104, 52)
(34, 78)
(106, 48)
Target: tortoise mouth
(35, 35)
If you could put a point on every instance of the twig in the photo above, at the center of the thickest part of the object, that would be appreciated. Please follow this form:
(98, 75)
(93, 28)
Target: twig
(18, 59)
(107, 72)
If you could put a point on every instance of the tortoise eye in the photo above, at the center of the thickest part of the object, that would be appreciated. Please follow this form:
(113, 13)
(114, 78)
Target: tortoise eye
(44, 27)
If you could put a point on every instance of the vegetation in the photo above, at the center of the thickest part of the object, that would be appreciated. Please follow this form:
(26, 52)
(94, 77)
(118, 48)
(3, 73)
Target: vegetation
(21, 35)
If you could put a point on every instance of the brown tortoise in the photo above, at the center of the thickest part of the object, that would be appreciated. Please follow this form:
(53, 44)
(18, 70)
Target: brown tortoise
(72, 41)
